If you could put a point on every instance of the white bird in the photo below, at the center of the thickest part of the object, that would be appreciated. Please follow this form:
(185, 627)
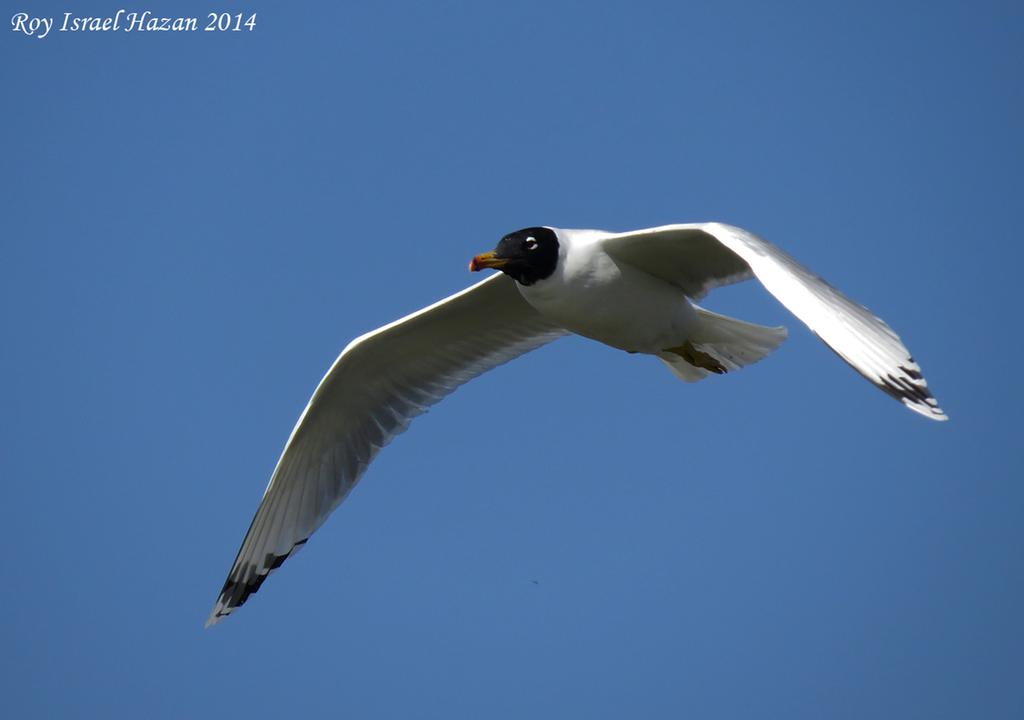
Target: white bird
(631, 290)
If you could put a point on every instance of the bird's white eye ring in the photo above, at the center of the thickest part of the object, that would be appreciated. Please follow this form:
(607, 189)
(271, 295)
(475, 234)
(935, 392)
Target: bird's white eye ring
(531, 244)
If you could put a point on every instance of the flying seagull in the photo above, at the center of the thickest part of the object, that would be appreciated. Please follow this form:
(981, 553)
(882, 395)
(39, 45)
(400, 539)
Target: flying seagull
(634, 291)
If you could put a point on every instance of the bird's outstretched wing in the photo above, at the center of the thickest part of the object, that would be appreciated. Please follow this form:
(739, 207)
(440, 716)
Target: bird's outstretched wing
(378, 384)
(699, 257)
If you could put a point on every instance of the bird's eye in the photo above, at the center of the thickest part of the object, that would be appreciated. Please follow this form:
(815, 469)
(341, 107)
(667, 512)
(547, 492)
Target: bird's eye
(530, 243)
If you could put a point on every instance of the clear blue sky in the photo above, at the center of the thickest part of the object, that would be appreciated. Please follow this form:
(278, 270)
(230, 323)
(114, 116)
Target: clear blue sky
(194, 226)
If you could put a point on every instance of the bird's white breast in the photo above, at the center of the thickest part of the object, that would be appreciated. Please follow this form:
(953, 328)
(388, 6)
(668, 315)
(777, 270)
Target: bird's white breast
(594, 295)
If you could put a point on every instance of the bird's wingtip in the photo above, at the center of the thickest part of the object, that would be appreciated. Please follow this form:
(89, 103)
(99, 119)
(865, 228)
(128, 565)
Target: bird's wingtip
(215, 617)
(930, 410)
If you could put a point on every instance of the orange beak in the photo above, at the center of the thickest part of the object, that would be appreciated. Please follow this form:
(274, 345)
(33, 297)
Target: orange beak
(486, 260)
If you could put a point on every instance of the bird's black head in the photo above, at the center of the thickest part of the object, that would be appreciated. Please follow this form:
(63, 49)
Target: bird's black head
(526, 256)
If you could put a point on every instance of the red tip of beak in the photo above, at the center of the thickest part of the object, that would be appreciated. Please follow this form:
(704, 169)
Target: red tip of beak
(484, 261)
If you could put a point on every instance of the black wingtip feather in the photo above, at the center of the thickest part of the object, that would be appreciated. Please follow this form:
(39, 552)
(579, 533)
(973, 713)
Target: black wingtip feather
(235, 592)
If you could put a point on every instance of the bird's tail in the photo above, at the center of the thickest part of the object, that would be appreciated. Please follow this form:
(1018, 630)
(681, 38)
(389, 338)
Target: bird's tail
(719, 344)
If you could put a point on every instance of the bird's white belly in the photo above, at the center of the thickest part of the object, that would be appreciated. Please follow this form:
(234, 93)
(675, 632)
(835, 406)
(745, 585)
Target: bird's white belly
(616, 304)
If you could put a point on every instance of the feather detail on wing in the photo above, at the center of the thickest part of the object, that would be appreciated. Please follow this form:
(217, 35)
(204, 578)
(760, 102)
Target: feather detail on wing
(371, 393)
(698, 257)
